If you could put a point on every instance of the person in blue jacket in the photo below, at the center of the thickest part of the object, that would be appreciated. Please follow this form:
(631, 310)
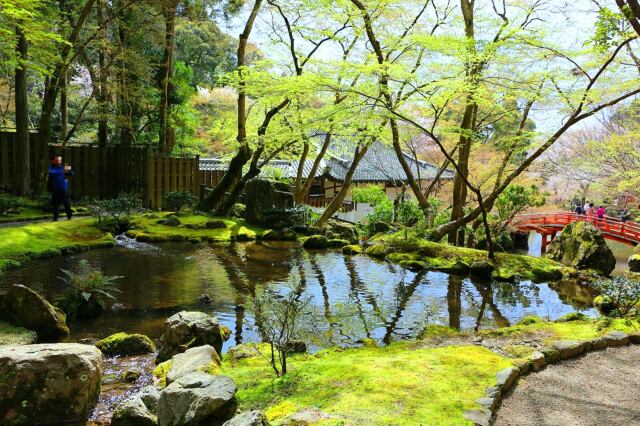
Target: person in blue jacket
(59, 186)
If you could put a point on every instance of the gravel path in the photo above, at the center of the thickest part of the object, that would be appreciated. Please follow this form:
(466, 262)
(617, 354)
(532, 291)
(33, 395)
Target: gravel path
(601, 388)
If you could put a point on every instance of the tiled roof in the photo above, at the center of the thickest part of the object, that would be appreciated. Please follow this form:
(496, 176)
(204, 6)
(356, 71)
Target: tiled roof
(379, 164)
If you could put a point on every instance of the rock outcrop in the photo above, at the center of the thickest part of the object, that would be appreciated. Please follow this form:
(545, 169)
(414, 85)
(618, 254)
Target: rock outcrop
(186, 330)
(26, 308)
(582, 246)
(48, 383)
(201, 358)
(196, 398)
(126, 344)
(263, 195)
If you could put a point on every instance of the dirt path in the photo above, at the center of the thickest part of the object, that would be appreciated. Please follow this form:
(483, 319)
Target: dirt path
(601, 388)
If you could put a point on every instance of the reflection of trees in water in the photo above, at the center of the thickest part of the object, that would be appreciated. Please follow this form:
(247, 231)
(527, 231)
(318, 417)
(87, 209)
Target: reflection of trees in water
(574, 294)
(403, 294)
(454, 303)
(478, 308)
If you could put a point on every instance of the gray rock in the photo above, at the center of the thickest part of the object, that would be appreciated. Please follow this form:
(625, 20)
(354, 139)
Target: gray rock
(133, 411)
(582, 246)
(307, 416)
(478, 417)
(195, 398)
(186, 330)
(199, 358)
(242, 351)
(150, 396)
(617, 338)
(634, 338)
(26, 308)
(507, 377)
(487, 403)
(569, 348)
(599, 344)
(48, 383)
(263, 195)
(537, 361)
(248, 418)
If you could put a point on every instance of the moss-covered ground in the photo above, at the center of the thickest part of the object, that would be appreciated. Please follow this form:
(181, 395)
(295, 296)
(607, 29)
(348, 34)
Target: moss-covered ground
(398, 384)
(191, 227)
(22, 243)
(11, 335)
(445, 257)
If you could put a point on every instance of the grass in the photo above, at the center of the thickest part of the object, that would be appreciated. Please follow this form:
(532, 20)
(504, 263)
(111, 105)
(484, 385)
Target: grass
(397, 384)
(191, 227)
(22, 243)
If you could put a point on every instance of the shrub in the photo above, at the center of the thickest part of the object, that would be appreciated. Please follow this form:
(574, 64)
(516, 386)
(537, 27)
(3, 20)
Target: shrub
(118, 209)
(9, 202)
(87, 292)
(175, 200)
(623, 295)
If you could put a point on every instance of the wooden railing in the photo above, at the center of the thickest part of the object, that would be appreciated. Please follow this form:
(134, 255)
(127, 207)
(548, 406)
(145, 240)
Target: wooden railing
(611, 227)
(321, 201)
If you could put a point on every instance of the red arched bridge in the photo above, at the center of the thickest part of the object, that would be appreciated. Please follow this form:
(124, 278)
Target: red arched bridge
(549, 224)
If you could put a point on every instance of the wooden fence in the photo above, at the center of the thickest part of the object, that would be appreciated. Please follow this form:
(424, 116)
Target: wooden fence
(105, 172)
(210, 178)
(38, 160)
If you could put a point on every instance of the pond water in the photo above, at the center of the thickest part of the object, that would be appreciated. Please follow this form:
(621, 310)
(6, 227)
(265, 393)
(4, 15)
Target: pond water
(351, 298)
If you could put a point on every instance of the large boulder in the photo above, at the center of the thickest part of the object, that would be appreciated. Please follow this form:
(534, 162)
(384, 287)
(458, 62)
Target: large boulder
(582, 246)
(186, 330)
(196, 398)
(26, 308)
(133, 412)
(48, 383)
(248, 418)
(263, 195)
(344, 230)
(126, 344)
(201, 358)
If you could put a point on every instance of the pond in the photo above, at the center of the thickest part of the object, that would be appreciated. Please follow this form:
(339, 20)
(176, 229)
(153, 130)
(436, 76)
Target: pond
(351, 298)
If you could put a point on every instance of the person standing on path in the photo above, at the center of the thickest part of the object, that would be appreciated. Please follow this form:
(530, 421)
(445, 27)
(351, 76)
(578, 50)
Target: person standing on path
(59, 186)
(600, 213)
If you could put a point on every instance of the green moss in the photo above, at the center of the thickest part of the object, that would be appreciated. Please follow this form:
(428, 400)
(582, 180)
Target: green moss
(604, 304)
(434, 330)
(530, 319)
(399, 257)
(352, 249)
(377, 250)
(338, 243)
(316, 242)
(518, 351)
(397, 384)
(413, 265)
(10, 335)
(225, 333)
(443, 257)
(573, 316)
(49, 239)
(160, 373)
(126, 344)
(192, 226)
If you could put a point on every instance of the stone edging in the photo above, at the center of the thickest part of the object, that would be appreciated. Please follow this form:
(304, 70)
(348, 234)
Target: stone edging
(559, 351)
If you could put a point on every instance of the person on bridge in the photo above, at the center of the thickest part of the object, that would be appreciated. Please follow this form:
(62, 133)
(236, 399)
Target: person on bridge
(591, 212)
(579, 211)
(600, 213)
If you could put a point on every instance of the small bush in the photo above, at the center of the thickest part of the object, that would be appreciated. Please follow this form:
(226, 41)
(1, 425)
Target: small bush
(623, 295)
(118, 209)
(9, 203)
(175, 200)
(87, 292)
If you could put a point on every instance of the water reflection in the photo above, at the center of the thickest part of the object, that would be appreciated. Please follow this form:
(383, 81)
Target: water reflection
(351, 297)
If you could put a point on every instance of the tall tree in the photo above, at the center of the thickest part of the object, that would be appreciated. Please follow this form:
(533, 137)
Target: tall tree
(23, 181)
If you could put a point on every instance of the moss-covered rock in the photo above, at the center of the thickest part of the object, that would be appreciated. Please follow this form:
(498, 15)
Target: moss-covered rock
(530, 319)
(171, 220)
(582, 246)
(435, 330)
(604, 304)
(215, 224)
(352, 249)
(238, 210)
(377, 250)
(481, 269)
(413, 265)
(126, 344)
(338, 243)
(26, 308)
(225, 332)
(573, 316)
(399, 257)
(244, 234)
(634, 263)
(316, 242)
(504, 275)
(271, 235)
(455, 267)
(547, 274)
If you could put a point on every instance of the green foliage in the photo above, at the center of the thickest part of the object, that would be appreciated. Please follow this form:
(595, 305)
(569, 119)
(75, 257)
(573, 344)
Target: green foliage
(87, 292)
(175, 200)
(608, 29)
(118, 209)
(623, 295)
(9, 203)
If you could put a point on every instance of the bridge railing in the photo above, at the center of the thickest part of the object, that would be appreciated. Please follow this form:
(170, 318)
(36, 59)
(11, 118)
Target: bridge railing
(628, 231)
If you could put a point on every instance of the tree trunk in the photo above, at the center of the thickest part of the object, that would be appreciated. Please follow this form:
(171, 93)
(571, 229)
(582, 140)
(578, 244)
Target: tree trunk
(336, 203)
(165, 133)
(243, 155)
(64, 110)
(23, 181)
(103, 97)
